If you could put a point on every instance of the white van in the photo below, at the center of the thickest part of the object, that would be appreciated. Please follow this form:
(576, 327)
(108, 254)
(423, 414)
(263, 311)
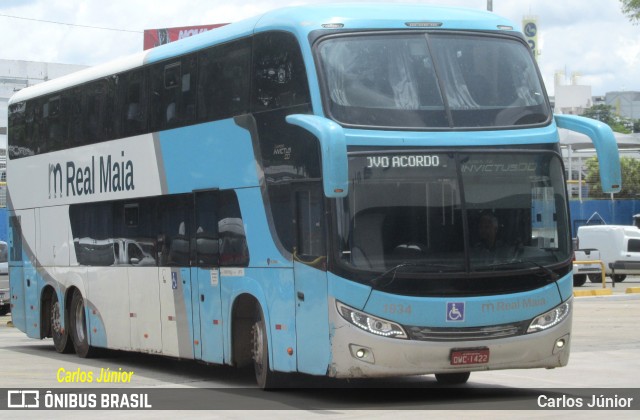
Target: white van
(619, 248)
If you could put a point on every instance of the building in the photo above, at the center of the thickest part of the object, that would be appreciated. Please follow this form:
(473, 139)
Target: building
(571, 98)
(625, 104)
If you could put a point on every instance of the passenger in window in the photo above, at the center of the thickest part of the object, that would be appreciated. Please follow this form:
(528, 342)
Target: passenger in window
(488, 240)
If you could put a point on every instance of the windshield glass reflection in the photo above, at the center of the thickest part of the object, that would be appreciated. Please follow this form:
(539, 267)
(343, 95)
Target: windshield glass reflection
(412, 213)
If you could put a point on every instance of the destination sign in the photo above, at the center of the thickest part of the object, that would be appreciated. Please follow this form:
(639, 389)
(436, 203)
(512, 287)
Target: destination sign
(403, 161)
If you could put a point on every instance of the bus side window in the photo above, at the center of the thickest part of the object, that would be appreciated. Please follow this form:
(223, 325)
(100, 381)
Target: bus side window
(133, 110)
(234, 250)
(98, 103)
(310, 244)
(175, 224)
(223, 80)
(173, 93)
(206, 235)
(279, 74)
(55, 125)
(73, 99)
(17, 122)
(15, 241)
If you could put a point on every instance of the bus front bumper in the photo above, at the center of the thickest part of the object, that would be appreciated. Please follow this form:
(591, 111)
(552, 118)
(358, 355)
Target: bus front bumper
(359, 354)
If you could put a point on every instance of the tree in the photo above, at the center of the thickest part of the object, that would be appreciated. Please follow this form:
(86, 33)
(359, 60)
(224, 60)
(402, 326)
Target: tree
(604, 113)
(631, 8)
(630, 169)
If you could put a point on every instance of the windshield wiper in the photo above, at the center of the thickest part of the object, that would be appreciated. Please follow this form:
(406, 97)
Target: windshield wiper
(375, 280)
(552, 274)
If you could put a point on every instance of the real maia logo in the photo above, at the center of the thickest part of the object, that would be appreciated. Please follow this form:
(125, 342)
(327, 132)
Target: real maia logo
(104, 174)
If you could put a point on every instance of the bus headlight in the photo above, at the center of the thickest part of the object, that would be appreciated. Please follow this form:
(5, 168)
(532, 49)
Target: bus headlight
(370, 323)
(551, 318)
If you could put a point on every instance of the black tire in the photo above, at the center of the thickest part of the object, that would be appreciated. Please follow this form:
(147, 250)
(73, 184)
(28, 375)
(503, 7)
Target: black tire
(265, 377)
(78, 326)
(453, 378)
(61, 340)
(619, 277)
(595, 278)
(4, 309)
(579, 279)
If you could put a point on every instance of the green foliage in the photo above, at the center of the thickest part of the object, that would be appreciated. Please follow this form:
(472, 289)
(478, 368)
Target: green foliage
(605, 114)
(631, 8)
(630, 169)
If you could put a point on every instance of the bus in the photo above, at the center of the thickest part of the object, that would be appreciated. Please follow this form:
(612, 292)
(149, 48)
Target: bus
(346, 191)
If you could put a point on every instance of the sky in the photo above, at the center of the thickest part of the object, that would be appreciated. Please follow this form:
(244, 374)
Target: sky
(591, 38)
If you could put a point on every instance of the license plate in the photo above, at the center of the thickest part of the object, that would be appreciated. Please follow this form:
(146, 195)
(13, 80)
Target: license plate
(469, 356)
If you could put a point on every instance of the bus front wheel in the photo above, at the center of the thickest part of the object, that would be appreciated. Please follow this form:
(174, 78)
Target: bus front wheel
(78, 324)
(452, 378)
(60, 335)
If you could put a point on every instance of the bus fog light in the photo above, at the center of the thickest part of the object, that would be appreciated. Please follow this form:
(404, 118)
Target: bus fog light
(562, 344)
(361, 353)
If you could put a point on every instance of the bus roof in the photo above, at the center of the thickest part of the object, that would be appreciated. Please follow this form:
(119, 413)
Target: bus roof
(301, 20)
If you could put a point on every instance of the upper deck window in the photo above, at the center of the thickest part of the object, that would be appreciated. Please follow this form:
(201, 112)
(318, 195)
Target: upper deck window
(443, 80)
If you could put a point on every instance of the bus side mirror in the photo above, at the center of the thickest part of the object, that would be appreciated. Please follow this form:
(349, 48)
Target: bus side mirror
(333, 147)
(606, 147)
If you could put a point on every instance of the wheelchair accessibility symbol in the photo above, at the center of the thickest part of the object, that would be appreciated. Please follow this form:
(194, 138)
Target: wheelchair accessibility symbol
(455, 311)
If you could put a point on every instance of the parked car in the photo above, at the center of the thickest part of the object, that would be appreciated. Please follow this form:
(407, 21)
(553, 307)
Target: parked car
(5, 295)
(619, 248)
(581, 271)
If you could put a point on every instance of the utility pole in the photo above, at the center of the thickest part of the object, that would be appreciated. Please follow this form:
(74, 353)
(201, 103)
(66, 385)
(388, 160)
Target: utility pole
(490, 5)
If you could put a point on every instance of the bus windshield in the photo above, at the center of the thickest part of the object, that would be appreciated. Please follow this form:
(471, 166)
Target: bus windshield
(505, 211)
(431, 81)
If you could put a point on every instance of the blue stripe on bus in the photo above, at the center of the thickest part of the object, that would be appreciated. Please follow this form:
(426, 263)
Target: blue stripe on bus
(193, 157)
(478, 311)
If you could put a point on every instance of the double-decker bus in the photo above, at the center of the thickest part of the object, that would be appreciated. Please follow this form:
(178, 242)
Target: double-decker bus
(345, 190)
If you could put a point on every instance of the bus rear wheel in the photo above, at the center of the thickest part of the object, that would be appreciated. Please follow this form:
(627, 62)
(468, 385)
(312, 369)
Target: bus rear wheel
(265, 377)
(78, 324)
(60, 335)
(453, 378)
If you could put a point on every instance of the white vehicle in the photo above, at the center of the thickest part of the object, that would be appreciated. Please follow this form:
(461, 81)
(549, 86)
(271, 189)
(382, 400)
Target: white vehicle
(619, 248)
(581, 271)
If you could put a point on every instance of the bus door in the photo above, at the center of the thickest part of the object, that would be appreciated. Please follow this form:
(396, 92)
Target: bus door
(312, 319)
(206, 273)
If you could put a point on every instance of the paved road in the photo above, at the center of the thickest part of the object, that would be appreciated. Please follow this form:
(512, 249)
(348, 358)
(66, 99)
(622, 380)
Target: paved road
(605, 345)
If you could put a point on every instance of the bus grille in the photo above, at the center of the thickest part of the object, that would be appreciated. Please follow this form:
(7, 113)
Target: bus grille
(467, 334)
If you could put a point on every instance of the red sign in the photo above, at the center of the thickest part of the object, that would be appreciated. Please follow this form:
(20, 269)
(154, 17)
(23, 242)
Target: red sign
(155, 37)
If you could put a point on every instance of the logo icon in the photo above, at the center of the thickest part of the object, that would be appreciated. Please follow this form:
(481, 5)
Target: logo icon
(23, 399)
(455, 311)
